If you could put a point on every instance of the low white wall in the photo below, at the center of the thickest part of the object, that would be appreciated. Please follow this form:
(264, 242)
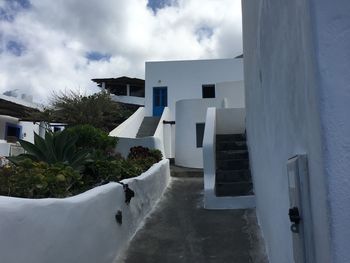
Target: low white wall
(81, 228)
(188, 113)
(130, 127)
(230, 121)
(158, 141)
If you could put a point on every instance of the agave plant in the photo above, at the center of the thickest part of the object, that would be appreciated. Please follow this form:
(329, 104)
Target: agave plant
(58, 147)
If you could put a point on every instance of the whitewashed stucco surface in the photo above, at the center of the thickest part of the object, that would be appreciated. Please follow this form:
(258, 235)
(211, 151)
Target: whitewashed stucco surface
(287, 97)
(332, 34)
(184, 79)
(81, 228)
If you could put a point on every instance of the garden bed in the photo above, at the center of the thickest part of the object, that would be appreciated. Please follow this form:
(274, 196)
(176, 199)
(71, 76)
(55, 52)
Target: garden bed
(82, 228)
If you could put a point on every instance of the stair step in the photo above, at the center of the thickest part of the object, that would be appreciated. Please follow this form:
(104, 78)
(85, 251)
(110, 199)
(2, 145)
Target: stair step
(227, 176)
(232, 154)
(148, 127)
(230, 137)
(232, 164)
(234, 189)
(237, 145)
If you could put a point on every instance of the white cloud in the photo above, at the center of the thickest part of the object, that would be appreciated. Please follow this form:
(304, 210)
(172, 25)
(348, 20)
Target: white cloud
(58, 34)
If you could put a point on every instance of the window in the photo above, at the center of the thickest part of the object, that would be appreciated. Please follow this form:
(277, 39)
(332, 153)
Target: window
(208, 91)
(200, 134)
(56, 129)
(13, 132)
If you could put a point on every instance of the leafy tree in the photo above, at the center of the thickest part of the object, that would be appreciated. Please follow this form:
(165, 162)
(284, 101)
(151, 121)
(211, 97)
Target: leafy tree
(97, 110)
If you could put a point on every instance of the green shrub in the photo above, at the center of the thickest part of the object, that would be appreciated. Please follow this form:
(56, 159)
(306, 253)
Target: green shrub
(39, 180)
(89, 137)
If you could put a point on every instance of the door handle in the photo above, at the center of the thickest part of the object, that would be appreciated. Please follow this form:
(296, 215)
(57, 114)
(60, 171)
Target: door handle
(294, 217)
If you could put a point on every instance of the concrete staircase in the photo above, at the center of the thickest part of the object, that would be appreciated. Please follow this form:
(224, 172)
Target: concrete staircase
(232, 166)
(148, 127)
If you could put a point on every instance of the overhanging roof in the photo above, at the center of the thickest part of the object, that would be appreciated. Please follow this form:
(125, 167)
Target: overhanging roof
(16, 110)
(120, 81)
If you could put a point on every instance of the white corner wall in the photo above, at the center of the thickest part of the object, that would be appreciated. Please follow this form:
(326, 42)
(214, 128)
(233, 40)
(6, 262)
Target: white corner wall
(332, 34)
(188, 113)
(28, 130)
(296, 62)
(184, 79)
(80, 228)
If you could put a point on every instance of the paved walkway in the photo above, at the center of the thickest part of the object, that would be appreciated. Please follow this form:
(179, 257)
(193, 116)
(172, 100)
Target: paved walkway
(180, 230)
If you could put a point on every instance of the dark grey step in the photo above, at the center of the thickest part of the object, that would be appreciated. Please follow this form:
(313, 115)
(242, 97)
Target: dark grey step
(148, 127)
(232, 154)
(237, 145)
(233, 164)
(230, 137)
(179, 171)
(227, 176)
(234, 189)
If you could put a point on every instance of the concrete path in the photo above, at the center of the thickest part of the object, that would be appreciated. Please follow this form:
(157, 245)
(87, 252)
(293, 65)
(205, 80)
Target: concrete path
(180, 230)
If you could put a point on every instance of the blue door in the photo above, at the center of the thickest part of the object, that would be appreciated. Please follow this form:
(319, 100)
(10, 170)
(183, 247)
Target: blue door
(160, 100)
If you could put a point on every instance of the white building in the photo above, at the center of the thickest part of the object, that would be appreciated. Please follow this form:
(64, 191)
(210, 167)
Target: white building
(12, 109)
(177, 95)
(297, 64)
(124, 89)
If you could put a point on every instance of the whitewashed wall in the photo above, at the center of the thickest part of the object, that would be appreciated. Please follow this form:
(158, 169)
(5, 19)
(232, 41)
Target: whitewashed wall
(184, 79)
(81, 228)
(296, 64)
(127, 131)
(188, 113)
(28, 129)
(164, 134)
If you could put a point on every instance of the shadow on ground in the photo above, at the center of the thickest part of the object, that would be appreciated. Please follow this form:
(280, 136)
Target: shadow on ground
(180, 230)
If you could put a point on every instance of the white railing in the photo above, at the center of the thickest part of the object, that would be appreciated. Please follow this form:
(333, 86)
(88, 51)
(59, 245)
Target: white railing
(221, 121)
(130, 127)
(126, 133)
(163, 134)
(209, 154)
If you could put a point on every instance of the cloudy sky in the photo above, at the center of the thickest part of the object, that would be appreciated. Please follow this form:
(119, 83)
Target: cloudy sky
(52, 45)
